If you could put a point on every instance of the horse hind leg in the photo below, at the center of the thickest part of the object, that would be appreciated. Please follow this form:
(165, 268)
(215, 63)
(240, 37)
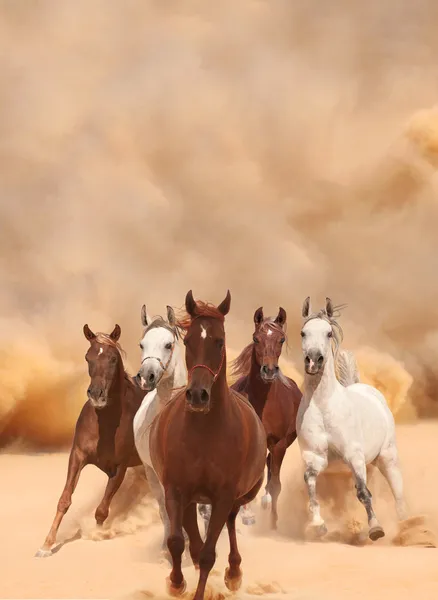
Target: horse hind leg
(358, 467)
(388, 465)
(267, 498)
(111, 489)
(76, 463)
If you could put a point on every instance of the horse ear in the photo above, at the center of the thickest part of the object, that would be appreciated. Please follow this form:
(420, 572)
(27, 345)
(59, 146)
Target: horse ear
(258, 316)
(144, 316)
(171, 316)
(88, 333)
(190, 304)
(115, 334)
(329, 307)
(281, 317)
(306, 307)
(224, 306)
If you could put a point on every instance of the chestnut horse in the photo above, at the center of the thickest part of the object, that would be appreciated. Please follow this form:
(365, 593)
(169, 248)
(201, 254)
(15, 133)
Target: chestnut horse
(207, 446)
(104, 435)
(274, 396)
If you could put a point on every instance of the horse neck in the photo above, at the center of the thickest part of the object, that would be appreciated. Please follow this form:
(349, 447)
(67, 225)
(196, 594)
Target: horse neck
(220, 389)
(177, 376)
(320, 387)
(258, 390)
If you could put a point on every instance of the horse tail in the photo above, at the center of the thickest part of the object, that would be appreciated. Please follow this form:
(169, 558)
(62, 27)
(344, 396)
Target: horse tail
(347, 371)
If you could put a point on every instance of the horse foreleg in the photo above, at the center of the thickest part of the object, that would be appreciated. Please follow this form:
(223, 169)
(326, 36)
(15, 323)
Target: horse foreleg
(219, 515)
(158, 493)
(175, 542)
(76, 463)
(113, 485)
(277, 455)
(358, 467)
(315, 464)
(190, 523)
(233, 575)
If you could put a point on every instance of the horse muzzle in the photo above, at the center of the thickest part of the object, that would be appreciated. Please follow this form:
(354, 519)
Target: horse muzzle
(198, 400)
(97, 398)
(269, 374)
(313, 363)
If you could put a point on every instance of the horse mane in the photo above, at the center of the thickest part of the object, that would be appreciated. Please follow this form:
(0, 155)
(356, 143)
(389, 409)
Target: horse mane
(241, 365)
(203, 309)
(346, 369)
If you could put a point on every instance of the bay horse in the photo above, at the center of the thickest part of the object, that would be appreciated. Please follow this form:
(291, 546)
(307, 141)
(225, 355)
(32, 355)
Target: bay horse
(103, 434)
(274, 396)
(207, 446)
(350, 424)
(162, 370)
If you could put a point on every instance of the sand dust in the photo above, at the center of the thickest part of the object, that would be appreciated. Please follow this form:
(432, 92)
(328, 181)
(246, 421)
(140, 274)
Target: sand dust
(279, 565)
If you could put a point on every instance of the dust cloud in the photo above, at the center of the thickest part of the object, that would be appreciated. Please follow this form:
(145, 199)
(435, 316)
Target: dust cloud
(278, 150)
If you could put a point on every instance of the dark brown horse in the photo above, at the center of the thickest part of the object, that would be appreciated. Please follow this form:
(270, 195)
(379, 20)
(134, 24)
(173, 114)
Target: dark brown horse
(275, 398)
(104, 435)
(207, 446)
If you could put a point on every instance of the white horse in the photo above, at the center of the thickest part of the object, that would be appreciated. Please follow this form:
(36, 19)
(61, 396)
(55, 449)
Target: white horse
(350, 422)
(162, 369)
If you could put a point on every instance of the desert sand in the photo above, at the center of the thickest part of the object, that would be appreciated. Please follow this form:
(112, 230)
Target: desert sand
(122, 560)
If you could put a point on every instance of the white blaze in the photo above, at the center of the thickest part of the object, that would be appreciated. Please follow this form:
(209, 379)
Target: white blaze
(203, 332)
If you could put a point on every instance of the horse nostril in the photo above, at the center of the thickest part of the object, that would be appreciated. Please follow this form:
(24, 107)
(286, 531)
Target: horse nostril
(265, 369)
(320, 360)
(276, 368)
(151, 378)
(204, 396)
(188, 395)
(89, 391)
(307, 360)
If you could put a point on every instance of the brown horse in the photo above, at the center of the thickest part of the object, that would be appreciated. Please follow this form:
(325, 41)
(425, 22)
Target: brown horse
(275, 398)
(104, 435)
(207, 446)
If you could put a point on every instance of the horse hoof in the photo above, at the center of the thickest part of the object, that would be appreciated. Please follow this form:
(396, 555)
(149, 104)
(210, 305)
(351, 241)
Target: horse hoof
(43, 553)
(316, 531)
(266, 501)
(376, 533)
(248, 520)
(234, 583)
(175, 590)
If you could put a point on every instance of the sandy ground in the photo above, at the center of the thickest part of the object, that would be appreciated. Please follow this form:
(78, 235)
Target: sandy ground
(121, 561)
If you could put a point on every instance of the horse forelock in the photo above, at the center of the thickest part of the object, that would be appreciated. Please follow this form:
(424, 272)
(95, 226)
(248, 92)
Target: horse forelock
(107, 340)
(203, 309)
(158, 322)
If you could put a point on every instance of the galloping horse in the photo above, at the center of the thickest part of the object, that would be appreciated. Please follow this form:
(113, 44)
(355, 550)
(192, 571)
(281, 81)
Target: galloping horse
(209, 446)
(103, 435)
(274, 396)
(351, 423)
(162, 369)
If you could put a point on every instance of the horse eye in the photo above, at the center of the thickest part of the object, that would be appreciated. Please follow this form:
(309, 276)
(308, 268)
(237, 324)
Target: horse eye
(169, 346)
(330, 334)
(255, 340)
(185, 341)
(220, 343)
(302, 334)
(141, 346)
(282, 340)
